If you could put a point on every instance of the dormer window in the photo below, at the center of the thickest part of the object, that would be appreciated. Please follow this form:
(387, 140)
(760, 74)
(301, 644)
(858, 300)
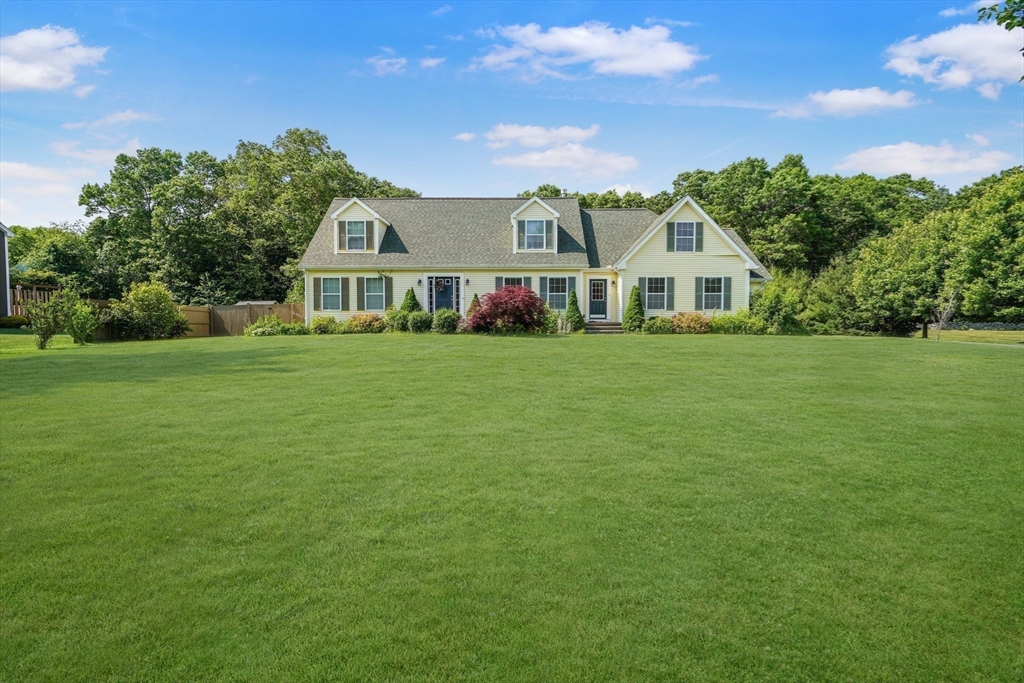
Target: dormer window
(535, 235)
(355, 235)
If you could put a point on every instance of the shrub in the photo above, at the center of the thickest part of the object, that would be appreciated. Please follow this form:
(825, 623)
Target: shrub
(49, 317)
(740, 322)
(365, 323)
(553, 321)
(463, 326)
(691, 323)
(147, 312)
(510, 309)
(13, 321)
(633, 318)
(780, 303)
(658, 325)
(82, 321)
(396, 320)
(420, 321)
(323, 324)
(268, 322)
(573, 316)
(410, 304)
(446, 321)
(474, 306)
(293, 329)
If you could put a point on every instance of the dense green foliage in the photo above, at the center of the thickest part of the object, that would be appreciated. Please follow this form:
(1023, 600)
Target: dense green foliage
(396, 320)
(365, 323)
(323, 324)
(410, 304)
(276, 509)
(446, 321)
(658, 325)
(13, 321)
(634, 317)
(420, 321)
(50, 318)
(147, 311)
(573, 315)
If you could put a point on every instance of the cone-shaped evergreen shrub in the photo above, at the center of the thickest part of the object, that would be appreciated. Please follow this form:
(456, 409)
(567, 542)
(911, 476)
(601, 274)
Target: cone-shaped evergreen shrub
(633, 319)
(573, 316)
(411, 303)
(474, 306)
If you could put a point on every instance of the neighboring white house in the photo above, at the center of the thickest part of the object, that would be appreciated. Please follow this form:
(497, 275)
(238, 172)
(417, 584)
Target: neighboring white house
(5, 276)
(368, 252)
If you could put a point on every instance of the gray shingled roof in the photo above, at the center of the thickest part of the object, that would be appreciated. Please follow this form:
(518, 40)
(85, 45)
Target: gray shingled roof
(760, 270)
(477, 233)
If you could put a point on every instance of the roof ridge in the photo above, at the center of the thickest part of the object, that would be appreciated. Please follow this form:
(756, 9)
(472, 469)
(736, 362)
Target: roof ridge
(451, 198)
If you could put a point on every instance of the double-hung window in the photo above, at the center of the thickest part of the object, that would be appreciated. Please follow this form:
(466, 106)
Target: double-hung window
(655, 293)
(355, 235)
(558, 292)
(685, 236)
(330, 293)
(535, 235)
(712, 293)
(375, 294)
(513, 282)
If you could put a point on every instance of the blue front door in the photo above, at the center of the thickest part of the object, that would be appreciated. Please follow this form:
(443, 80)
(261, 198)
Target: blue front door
(443, 292)
(598, 298)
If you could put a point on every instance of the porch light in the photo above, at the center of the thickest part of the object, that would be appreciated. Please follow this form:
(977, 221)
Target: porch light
(467, 280)
(419, 283)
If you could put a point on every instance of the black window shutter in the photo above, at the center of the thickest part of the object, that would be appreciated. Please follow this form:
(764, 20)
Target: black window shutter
(389, 291)
(698, 237)
(727, 294)
(549, 234)
(670, 293)
(371, 237)
(642, 282)
(360, 293)
(572, 286)
(528, 282)
(544, 289)
(698, 299)
(316, 294)
(344, 293)
(521, 229)
(671, 232)
(342, 235)
(498, 283)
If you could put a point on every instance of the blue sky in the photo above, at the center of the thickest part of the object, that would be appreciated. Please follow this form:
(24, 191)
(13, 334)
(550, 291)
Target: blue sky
(487, 99)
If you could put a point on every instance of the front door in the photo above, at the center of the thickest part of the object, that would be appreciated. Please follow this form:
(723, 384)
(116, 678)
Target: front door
(442, 292)
(598, 298)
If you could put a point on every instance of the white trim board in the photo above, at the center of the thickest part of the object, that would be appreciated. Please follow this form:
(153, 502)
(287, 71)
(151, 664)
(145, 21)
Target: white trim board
(535, 200)
(357, 200)
(657, 226)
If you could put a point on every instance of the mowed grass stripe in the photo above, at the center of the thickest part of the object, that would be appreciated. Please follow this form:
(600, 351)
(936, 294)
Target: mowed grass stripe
(584, 508)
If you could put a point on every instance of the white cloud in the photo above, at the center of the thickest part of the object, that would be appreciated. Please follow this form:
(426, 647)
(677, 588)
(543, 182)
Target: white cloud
(387, 66)
(455, 38)
(66, 148)
(504, 134)
(692, 83)
(978, 139)
(45, 59)
(667, 22)
(923, 160)
(431, 62)
(608, 51)
(84, 90)
(466, 137)
(623, 188)
(584, 161)
(126, 116)
(969, 9)
(990, 91)
(854, 102)
(443, 9)
(985, 54)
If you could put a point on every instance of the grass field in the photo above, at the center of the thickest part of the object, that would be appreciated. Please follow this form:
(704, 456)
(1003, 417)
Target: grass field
(390, 508)
(979, 336)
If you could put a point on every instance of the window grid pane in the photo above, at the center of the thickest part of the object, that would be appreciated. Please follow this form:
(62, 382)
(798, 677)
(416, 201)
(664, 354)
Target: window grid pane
(513, 282)
(558, 293)
(712, 293)
(534, 234)
(356, 234)
(374, 285)
(656, 293)
(684, 236)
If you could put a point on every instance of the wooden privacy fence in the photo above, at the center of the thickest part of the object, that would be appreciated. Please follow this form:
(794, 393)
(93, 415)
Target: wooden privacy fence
(232, 320)
(21, 293)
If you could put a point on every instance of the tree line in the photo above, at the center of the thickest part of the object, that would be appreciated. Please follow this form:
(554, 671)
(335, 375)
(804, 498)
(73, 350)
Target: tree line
(849, 254)
(860, 254)
(214, 231)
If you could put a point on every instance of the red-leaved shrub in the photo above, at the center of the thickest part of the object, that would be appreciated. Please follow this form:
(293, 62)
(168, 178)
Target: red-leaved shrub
(509, 309)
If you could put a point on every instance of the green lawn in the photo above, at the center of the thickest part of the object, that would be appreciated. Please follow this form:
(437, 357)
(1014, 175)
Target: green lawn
(625, 508)
(981, 336)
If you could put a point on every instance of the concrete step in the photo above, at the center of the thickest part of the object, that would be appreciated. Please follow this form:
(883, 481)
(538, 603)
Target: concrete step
(603, 328)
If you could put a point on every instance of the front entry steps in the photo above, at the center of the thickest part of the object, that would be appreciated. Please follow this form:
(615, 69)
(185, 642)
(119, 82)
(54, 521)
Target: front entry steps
(594, 327)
